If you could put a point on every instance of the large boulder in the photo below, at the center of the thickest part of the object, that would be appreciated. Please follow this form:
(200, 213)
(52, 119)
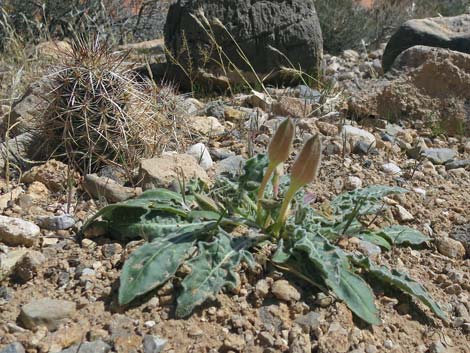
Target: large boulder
(257, 26)
(430, 84)
(442, 32)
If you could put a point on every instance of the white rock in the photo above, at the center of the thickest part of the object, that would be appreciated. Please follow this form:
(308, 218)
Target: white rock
(15, 231)
(391, 168)
(421, 192)
(354, 134)
(202, 155)
(403, 214)
(352, 183)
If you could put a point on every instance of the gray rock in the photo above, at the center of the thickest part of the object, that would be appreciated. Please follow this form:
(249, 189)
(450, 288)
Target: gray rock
(461, 233)
(292, 27)
(439, 155)
(230, 166)
(465, 163)
(221, 153)
(15, 231)
(19, 150)
(46, 312)
(108, 189)
(61, 222)
(354, 134)
(309, 322)
(154, 344)
(363, 148)
(13, 348)
(443, 32)
(88, 347)
(215, 109)
(201, 153)
(391, 168)
(369, 249)
(6, 294)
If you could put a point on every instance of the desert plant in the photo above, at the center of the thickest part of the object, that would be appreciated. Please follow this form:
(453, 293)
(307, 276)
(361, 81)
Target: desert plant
(101, 112)
(196, 228)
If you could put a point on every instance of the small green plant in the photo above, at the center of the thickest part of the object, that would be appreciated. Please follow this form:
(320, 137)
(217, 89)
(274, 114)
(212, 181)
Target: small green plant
(212, 232)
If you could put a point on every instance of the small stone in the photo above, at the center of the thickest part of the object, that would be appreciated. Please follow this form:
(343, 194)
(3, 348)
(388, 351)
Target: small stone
(150, 324)
(206, 125)
(458, 164)
(15, 231)
(323, 300)
(283, 290)
(108, 189)
(234, 342)
(8, 261)
(369, 249)
(309, 322)
(450, 248)
(437, 347)
(391, 168)
(46, 312)
(388, 344)
(109, 250)
(403, 214)
(13, 348)
(28, 266)
(154, 344)
(327, 129)
(88, 347)
(355, 134)
(439, 155)
(266, 339)
(6, 294)
(262, 288)
(61, 222)
(353, 183)
(231, 166)
(453, 289)
(362, 148)
(195, 332)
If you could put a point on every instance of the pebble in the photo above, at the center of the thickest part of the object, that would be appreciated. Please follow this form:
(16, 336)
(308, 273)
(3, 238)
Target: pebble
(262, 288)
(61, 222)
(388, 344)
(13, 348)
(202, 155)
(450, 248)
(15, 231)
(391, 168)
(206, 125)
(458, 164)
(403, 214)
(353, 183)
(89, 347)
(231, 166)
(46, 312)
(309, 322)
(27, 267)
(154, 344)
(283, 290)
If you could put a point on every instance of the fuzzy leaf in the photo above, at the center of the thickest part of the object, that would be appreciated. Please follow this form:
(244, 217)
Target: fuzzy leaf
(403, 282)
(401, 235)
(375, 239)
(333, 266)
(254, 169)
(212, 269)
(152, 265)
(369, 196)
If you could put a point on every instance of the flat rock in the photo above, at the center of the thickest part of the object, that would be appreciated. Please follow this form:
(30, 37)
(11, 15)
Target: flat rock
(206, 125)
(61, 222)
(465, 163)
(89, 347)
(9, 260)
(46, 312)
(107, 188)
(164, 171)
(15, 231)
(439, 155)
(13, 348)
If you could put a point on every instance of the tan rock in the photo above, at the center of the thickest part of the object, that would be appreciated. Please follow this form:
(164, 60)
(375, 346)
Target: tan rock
(54, 174)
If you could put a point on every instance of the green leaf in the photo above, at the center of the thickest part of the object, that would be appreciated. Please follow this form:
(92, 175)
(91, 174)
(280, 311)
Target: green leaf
(152, 265)
(333, 265)
(212, 269)
(403, 282)
(401, 235)
(375, 239)
(369, 196)
(254, 169)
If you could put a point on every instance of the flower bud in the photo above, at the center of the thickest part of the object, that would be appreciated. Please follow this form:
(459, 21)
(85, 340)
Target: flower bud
(280, 146)
(306, 165)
